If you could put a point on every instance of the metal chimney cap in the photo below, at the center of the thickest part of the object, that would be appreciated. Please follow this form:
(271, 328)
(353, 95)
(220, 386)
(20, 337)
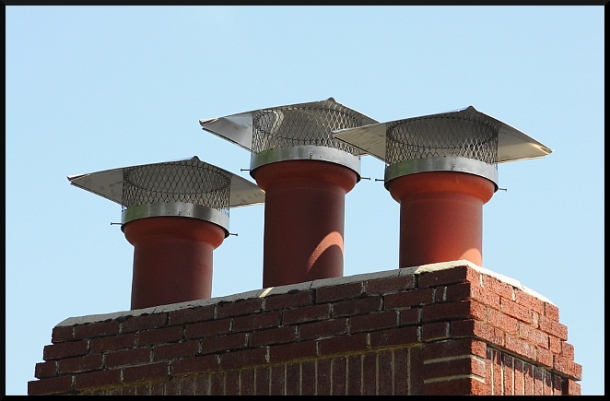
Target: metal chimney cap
(186, 188)
(464, 140)
(301, 131)
(512, 144)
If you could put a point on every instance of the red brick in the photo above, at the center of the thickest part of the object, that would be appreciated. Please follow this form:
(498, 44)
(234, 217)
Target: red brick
(62, 333)
(454, 367)
(457, 274)
(551, 311)
(567, 366)
(469, 328)
(538, 384)
(401, 371)
(355, 307)
(508, 374)
(98, 379)
(555, 345)
(554, 328)
(289, 300)
(354, 375)
(45, 369)
(501, 288)
(293, 379)
(157, 388)
(533, 335)
(206, 329)
(278, 380)
(308, 377)
(145, 372)
(64, 350)
(217, 384)
(339, 292)
(93, 330)
(306, 314)
(416, 379)
(325, 328)
(191, 315)
(567, 350)
(293, 351)
(528, 379)
(409, 298)
(324, 385)
(187, 386)
(520, 347)
(239, 308)
(246, 379)
(547, 388)
(571, 388)
(175, 350)
(256, 321)
(143, 389)
(369, 373)
(502, 321)
(202, 385)
(529, 301)
(440, 294)
(262, 381)
(223, 343)
(343, 344)
(453, 348)
(104, 344)
(462, 386)
(241, 359)
(143, 322)
(410, 316)
(497, 387)
(515, 310)
(389, 284)
(474, 291)
(160, 336)
(519, 385)
(557, 385)
(400, 336)
(435, 331)
(454, 311)
(200, 364)
(128, 357)
(54, 385)
(386, 366)
(232, 383)
(338, 376)
(273, 336)
(81, 364)
(374, 321)
(544, 357)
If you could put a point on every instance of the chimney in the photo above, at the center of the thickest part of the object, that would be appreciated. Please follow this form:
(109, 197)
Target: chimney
(174, 214)
(305, 174)
(442, 169)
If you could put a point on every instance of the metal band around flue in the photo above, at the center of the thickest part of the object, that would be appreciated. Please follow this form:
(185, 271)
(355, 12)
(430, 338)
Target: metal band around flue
(430, 164)
(306, 152)
(177, 209)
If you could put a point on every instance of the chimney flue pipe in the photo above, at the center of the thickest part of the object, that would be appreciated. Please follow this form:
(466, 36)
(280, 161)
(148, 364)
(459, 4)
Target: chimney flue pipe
(305, 174)
(174, 214)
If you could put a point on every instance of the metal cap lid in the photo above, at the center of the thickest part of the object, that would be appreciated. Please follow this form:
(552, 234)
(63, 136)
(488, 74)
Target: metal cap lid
(301, 131)
(464, 140)
(184, 188)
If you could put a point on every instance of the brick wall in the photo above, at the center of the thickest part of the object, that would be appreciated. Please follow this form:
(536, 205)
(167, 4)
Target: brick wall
(449, 328)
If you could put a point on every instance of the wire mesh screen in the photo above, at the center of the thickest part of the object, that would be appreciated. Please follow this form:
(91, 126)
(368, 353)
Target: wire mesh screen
(189, 181)
(289, 126)
(460, 134)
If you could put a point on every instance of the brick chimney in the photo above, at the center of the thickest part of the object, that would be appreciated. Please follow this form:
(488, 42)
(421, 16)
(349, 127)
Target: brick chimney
(305, 174)
(174, 214)
(442, 329)
(439, 327)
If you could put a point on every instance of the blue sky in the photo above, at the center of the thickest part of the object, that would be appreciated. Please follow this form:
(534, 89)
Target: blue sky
(95, 88)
